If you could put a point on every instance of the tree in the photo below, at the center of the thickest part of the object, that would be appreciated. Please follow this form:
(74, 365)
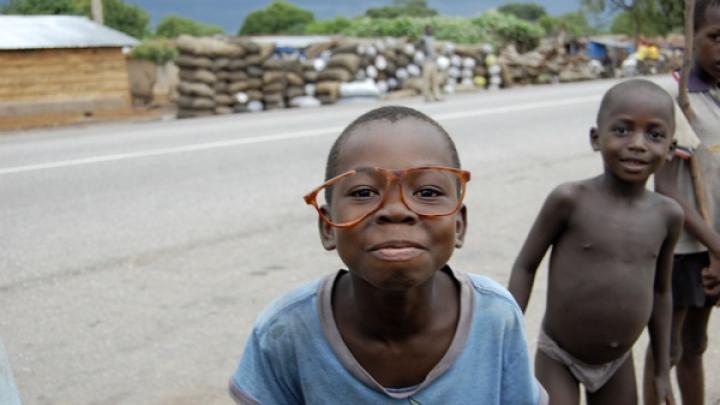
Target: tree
(524, 11)
(127, 18)
(52, 7)
(408, 8)
(173, 26)
(280, 17)
(636, 17)
(575, 24)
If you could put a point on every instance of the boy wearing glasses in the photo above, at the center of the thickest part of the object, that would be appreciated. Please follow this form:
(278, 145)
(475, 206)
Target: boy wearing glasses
(610, 268)
(399, 326)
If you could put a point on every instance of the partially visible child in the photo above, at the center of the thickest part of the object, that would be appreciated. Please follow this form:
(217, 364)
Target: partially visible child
(610, 264)
(399, 326)
(699, 245)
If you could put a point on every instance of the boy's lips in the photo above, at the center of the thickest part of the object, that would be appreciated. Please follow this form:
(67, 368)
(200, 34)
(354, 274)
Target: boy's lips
(632, 163)
(396, 250)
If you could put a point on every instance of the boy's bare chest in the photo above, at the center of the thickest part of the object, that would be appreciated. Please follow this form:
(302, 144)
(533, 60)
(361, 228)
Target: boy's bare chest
(634, 234)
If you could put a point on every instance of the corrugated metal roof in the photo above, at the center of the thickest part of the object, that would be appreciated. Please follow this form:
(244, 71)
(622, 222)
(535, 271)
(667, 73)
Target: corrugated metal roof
(62, 31)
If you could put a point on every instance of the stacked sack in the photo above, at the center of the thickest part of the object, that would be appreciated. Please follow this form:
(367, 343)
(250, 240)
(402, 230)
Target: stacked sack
(549, 63)
(206, 69)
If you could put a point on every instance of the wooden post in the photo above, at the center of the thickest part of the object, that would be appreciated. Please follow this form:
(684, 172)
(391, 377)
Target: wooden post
(97, 11)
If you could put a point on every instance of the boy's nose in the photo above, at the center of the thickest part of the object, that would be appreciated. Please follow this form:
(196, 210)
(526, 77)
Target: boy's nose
(637, 141)
(394, 208)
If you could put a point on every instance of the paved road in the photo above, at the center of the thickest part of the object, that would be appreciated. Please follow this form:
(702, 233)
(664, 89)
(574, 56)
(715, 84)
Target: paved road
(135, 257)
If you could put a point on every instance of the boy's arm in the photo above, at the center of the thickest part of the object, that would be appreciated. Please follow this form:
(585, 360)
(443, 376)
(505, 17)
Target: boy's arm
(666, 183)
(661, 318)
(547, 227)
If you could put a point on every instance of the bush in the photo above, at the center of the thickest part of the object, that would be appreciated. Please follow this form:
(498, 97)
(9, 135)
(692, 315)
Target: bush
(507, 29)
(575, 24)
(333, 26)
(280, 17)
(157, 50)
(26, 7)
(127, 18)
(173, 26)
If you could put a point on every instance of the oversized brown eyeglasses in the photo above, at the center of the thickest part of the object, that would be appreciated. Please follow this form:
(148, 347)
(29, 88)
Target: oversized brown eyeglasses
(349, 198)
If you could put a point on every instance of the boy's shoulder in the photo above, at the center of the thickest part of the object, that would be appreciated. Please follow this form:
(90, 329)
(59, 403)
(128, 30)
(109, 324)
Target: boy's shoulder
(295, 303)
(567, 195)
(490, 293)
(667, 206)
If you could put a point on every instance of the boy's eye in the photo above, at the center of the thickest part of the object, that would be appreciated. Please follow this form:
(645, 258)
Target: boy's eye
(428, 192)
(362, 192)
(620, 130)
(656, 135)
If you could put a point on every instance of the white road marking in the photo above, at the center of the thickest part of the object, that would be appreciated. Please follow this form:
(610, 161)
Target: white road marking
(280, 137)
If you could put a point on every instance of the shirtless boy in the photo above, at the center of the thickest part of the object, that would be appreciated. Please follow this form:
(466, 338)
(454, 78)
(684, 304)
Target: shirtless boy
(610, 265)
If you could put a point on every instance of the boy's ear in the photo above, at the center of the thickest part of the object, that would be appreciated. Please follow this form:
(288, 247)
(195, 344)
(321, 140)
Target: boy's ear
(327, 232)
(594, 139)
(460, 226)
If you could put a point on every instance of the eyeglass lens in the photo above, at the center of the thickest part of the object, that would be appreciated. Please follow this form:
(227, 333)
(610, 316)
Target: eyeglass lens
(425, 191)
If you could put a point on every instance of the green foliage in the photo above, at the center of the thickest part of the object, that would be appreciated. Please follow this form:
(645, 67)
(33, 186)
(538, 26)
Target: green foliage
(524, 11)
(510, 29)
(650, 18)
(333, 26)
(402, 8)
(280, 17)
(47, 7)
(127, 18)
(173, 26)
(575, 24)
(157, 50)
(460, 30)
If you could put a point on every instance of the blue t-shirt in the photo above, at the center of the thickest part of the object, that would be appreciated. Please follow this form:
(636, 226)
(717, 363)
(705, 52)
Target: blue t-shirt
(296, 355)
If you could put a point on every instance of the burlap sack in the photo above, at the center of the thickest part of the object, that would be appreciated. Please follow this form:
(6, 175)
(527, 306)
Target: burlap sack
(254, 83)
(235, 87)
(254, 71)
(207, 46)
(272, 64)
(295, 91)
(195, 89)
(335, 75)
(222, 75)
(193, 62)
(237, 76)
(199, 75)
(221, 63)
(224, 99)
(221, 87)
(273, 98)
(254, 95)
(314, 50)
(310, 76)
(266, 50)
(293, 79)
(197, 103)
(347, 61)
(273, 76)
(254, 60)
(237, 64)
(275, 87)
(328, 88)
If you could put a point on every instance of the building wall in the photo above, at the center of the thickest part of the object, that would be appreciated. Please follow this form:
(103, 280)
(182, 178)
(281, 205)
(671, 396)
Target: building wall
(62, 80)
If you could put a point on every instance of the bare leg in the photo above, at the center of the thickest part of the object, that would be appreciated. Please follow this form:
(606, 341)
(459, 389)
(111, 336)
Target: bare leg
(619, 390)
(690, 375)
(678, 319)
(557, 380)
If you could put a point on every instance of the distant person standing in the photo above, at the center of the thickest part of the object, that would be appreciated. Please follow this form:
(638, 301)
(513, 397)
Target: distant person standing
(431, 78)
(8, 390)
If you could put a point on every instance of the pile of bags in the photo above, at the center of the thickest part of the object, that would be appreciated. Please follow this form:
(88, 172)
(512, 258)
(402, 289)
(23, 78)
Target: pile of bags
(549, 63)
(229, 75)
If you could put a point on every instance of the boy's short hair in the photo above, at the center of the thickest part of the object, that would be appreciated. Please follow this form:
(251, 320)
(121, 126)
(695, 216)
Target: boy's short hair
(701, 7)
(623, 87)
(392, 113)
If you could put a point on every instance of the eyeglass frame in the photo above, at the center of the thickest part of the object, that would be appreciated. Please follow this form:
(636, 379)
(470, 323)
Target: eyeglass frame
(390, 176)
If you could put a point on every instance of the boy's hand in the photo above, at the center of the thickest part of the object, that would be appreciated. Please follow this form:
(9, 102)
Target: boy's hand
(663, 390)
(711, 277)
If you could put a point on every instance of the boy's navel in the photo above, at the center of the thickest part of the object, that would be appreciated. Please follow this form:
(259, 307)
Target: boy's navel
(587, 246)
